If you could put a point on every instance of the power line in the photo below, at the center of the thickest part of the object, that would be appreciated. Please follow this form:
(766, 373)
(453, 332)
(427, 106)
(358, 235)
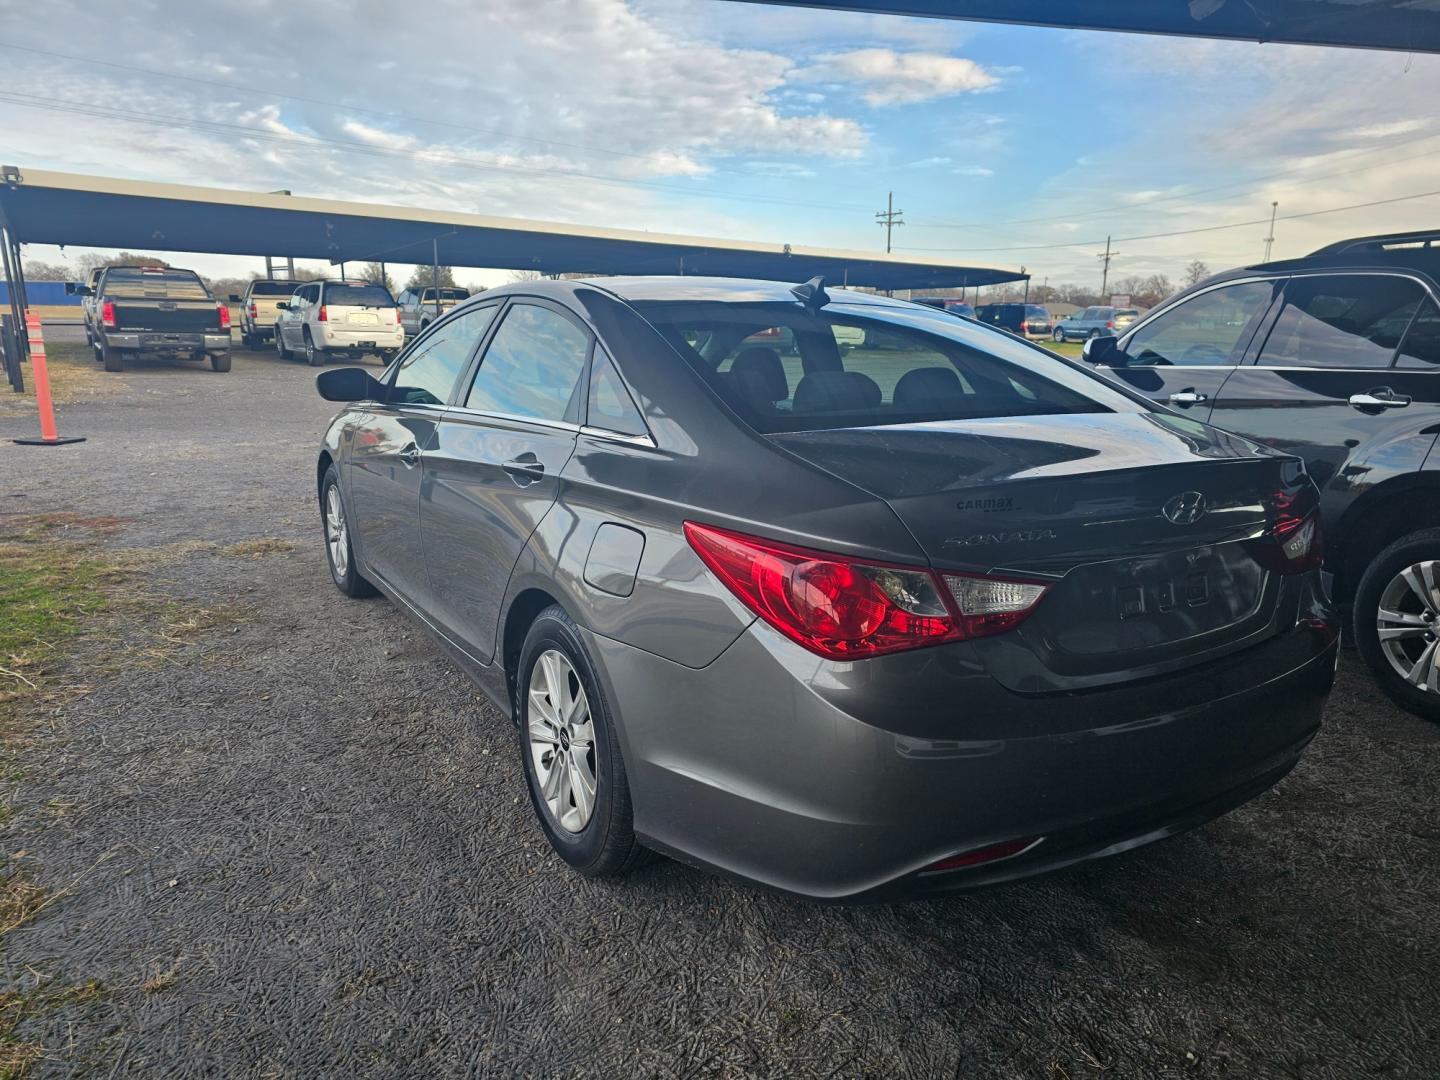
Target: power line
(1190, 232)
(418, 154)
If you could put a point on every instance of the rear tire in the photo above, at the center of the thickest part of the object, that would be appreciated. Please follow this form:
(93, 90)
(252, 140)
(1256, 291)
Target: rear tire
(603, 844)
(220, 361)
(1412, 637)
(113, 359)
(339, 550)
(313, 356)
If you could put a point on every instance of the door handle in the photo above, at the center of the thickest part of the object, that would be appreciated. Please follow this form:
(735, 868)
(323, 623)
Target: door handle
(410, 455)
(1186, 398)
(526, 469)
(1382, 397)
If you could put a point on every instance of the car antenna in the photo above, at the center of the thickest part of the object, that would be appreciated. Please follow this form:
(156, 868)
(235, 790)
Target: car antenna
(812, 294)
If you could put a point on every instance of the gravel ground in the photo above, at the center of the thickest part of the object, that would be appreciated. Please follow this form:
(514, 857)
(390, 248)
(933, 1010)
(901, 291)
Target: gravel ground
(300, 847)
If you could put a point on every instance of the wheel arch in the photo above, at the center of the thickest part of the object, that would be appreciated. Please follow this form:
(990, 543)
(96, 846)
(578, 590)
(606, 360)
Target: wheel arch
(519, 617)
(321, 468)
(1376, 519)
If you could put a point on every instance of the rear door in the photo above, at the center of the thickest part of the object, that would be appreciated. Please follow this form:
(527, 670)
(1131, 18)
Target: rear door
(1345, 378)
(386, 468)
(494, 470)
(1183, 356)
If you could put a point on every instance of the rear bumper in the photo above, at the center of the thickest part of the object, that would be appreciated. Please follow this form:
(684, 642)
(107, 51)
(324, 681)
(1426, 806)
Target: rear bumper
(158, 341)
(753, 765)
(379, 337)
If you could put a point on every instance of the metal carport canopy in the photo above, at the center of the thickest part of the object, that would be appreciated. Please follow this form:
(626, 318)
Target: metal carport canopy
(92, 211)
(1401, 25)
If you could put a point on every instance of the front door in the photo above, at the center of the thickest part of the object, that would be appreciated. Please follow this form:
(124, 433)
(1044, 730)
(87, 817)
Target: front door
(1183, 356)
(388, 450)
(494, 471)
(1345, 379)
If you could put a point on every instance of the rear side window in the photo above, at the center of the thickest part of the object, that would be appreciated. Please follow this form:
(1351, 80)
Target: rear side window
(1341, 321)
(1421, 348)
(859, 369)
(532, 366)
(427, 373)
(611, 407)
(1211, 329)
(358, 296)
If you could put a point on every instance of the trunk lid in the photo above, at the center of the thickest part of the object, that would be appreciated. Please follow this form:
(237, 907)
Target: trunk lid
(1081, 501)
(169, 316)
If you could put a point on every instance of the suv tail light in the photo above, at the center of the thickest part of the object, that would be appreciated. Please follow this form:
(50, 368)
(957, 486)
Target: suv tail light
(848, 609)
(324, 315)
(396, 313)
(224, 313)
(1110, 325)
(1024, 326)
(107, 313)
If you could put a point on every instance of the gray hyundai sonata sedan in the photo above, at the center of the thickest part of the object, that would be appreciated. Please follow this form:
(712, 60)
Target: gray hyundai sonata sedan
(908, 606)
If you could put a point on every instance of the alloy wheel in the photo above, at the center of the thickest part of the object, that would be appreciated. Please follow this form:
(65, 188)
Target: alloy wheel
(1406, 625)
(562, 741)
(335, 531)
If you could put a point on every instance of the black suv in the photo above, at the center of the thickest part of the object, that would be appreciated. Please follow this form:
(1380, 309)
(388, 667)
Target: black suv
(1022, 320)
(1334, 357)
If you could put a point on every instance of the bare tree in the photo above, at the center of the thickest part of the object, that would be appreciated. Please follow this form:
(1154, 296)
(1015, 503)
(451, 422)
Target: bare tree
(525, 275)
(43, 271)
(1196, 272)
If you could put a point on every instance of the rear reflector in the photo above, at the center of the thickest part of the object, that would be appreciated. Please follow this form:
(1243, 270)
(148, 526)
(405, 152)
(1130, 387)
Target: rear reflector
(1006, 849)
(847, 609)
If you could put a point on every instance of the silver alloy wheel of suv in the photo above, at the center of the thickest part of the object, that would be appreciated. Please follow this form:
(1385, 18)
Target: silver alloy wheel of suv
(1406, 625)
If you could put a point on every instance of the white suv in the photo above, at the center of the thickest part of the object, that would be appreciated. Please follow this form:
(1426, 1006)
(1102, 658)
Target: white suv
(347, 318)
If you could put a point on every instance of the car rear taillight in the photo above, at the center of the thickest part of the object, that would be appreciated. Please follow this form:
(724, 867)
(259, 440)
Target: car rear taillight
(1295, 544)
(107, 313)
(1110, 325)
(323, 316)
(396, 313)
(224, 313)
(254, 312)
(1006, 849)
(1024, 327)
(847, 609)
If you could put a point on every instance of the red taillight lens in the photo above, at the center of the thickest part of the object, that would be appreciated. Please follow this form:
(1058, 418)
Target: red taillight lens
(1110, 325)
(990, 853)
(396, 313)
(1295, 546)
(1024, 328)
(324, 316)
(107, 313)
(846, 609)
(224, 313)
(254, 312)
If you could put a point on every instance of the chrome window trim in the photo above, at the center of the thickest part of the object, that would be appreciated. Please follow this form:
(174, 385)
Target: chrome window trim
(480, 414)
(1419, 279)
(615, 436)
(1165, 309)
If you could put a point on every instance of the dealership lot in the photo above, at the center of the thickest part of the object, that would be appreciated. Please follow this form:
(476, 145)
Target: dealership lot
(299, 844)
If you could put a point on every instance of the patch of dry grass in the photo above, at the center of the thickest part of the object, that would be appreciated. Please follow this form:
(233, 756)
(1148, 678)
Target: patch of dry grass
(162, 980)
(75, 377)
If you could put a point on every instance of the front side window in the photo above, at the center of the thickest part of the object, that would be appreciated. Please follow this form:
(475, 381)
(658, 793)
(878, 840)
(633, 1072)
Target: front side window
(1208, 330)
(1421, 348)
(427, 373)
(532, 366)
(856, 367)
(1341, 321)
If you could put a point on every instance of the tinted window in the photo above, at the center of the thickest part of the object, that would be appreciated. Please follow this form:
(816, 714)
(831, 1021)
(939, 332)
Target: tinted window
(857, 367)
(1422, 342)
(447, 294)
(611, 406)
(532, 366)
(161, 284)
(427, 373)
(271, 288)
(1341, 320)
(1210, 329)
(1035, 312)
(358, 296)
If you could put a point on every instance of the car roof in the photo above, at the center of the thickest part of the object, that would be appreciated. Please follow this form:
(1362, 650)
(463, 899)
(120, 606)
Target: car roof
(724, 290)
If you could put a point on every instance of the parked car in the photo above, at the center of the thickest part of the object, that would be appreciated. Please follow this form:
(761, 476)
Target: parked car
(946, 303)
(927, 616)
(155, 311)
(260, 309)
(343, 318)
(420, 307)
(1023, 320)
(1334, 357)
(86, 291)
(1095, 322)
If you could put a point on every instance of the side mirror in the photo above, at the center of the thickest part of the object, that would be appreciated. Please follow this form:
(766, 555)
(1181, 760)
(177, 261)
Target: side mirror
(283, 305)
(78, 290)
(1102, 350)
(235, 298)
(349, 384)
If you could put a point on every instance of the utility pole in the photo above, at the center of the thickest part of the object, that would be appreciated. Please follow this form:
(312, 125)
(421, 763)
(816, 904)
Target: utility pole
(1270, 240)
(889, 217)
(1105, 271)
(1027, 285)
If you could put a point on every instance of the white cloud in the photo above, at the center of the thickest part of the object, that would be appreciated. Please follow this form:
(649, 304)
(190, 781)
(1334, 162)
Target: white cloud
(896, 78)
(929, 162)
(973, 170)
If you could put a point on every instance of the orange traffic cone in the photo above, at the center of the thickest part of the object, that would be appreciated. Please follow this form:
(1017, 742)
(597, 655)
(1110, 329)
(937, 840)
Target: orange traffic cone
(48, 436)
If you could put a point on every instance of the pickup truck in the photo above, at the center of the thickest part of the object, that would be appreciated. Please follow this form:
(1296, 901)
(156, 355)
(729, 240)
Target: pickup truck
(155, 311)
(419, 307)
(258, 308)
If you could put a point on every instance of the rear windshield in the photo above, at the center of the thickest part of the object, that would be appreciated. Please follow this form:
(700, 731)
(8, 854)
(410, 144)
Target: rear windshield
(272, 288)
(447, 294)
(358, 296)
(160, 284)
(1127, 313)
(784, 369)
(1033, 312)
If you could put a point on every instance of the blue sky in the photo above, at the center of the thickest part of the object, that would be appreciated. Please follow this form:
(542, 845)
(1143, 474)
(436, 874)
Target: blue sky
(1003, 145)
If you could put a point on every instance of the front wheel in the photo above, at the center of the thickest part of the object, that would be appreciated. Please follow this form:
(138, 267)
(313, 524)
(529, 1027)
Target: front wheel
(1058, 337)
(280, 349)
(1094, 334)
(1397, 622)
(339, 551)
(571, 756)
